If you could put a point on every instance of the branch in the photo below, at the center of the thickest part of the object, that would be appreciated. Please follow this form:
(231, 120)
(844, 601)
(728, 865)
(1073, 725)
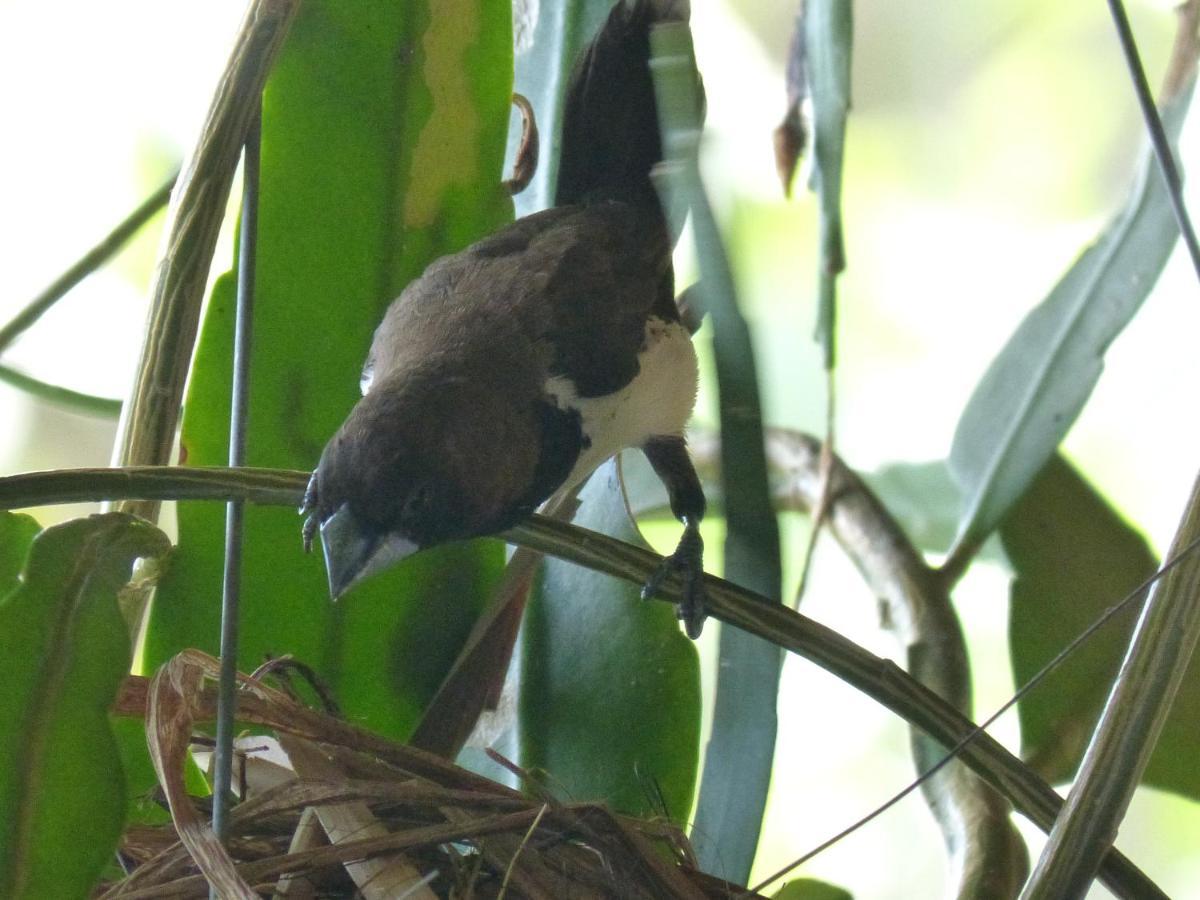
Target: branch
(880, 679)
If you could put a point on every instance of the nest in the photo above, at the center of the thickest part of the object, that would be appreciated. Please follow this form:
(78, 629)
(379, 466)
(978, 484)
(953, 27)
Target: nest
(356, 815)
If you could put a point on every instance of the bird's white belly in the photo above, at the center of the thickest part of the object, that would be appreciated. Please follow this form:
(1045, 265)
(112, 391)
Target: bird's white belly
(658, 401)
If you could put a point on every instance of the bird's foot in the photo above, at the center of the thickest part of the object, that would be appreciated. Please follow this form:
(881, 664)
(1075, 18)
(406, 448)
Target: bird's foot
(688, 562)
(309, 510)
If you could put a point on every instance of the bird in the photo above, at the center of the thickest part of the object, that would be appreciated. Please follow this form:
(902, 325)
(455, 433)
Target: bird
(506, 373)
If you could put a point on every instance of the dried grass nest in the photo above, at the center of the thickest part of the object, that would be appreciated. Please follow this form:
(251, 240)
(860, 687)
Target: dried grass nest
(356, 815)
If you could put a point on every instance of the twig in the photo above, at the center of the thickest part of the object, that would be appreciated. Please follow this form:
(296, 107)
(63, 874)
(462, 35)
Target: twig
(987, 852)
(526, 162)
(1059, 658)
(820, 509)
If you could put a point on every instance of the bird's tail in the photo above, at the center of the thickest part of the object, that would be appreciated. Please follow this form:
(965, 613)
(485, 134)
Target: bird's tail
(610, 137)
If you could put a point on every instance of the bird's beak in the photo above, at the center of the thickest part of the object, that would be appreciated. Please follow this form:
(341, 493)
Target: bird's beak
(352, 554)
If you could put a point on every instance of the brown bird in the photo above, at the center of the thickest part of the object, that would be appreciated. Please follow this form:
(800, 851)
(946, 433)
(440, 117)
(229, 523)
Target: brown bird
(508, 372)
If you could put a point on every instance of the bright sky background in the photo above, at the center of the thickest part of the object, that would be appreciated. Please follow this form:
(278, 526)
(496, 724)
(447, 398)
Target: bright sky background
(987, 145)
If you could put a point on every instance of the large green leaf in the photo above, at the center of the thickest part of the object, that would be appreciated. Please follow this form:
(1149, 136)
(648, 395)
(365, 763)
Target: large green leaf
(1035, 388)
(1073, 557)
(383, 136)
(64, 649)
(17, 532)
(610, 687)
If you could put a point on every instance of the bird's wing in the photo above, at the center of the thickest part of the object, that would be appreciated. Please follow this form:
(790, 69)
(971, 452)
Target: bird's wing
(562, 292)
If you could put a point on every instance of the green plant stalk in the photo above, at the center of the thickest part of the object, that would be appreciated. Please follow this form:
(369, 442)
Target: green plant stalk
(1159, 652)
(880, 679)
(148, 421)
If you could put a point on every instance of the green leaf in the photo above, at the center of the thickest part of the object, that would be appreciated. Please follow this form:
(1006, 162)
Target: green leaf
(383, 136)
(828, 37)
(64, 650)
(1035, 388)
(1073, 557)
(597, 660)
(17, 532)
(811, 889)
(740, 754)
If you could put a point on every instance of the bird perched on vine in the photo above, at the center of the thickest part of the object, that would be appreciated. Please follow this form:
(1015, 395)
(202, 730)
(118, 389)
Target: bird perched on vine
(509, 371)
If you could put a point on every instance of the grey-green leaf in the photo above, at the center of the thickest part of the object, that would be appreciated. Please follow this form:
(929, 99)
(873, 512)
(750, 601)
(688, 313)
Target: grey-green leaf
(828, 36)
(1035, 388)
(597, 660)
(740, 755)
(63, 652)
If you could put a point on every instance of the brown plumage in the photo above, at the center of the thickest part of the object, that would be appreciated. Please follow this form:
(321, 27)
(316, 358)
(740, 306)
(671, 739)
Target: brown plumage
(508, 371)
(455, 436)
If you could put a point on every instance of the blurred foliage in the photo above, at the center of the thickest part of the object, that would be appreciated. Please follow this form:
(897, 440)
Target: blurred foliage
(599, 660)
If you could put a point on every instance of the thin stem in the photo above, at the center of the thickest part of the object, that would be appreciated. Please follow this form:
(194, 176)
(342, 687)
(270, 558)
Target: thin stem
(86, 264)
(1158, 136)
(231, 582)
(105, 407)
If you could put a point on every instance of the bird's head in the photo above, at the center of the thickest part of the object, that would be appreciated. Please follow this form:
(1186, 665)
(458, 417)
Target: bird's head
(417, 463)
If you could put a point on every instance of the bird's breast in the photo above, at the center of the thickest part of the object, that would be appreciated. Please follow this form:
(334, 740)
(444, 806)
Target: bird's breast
(658, 401)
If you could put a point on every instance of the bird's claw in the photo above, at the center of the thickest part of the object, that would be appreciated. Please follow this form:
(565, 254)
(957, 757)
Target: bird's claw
(308, 509)
(688, 562)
